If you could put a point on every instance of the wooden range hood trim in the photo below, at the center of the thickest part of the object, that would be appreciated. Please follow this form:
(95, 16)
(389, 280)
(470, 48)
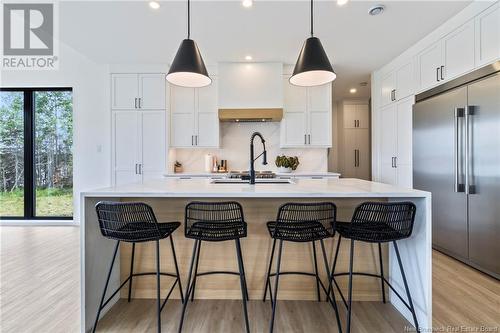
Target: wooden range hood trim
(248, 114)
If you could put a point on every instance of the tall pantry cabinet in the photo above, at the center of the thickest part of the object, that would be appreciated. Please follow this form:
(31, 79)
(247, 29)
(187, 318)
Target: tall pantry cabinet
(355, 140)
(138, 108)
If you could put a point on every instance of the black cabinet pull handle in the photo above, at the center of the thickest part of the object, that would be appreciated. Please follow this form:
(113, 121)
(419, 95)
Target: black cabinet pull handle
(437, 74)
(442, 75)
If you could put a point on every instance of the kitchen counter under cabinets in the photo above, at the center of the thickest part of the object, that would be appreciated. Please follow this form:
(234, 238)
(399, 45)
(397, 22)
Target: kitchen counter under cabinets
(304, 175)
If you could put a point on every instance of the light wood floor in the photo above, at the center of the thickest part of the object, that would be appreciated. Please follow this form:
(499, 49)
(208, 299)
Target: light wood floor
(39, 292)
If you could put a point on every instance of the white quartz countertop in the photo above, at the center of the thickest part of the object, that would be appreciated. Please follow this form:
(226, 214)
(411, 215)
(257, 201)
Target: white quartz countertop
(301, 188)
(279, 174)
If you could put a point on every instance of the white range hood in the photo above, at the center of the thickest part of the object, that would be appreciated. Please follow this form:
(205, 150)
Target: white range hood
(250, 91)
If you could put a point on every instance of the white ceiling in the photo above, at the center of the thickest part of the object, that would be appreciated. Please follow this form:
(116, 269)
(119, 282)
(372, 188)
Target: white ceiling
(132, 32)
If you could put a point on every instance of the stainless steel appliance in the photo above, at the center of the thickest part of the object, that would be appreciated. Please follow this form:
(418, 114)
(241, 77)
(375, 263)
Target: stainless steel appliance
(456, 156)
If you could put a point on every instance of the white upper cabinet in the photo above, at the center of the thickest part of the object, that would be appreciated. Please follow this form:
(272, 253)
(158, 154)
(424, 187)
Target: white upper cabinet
(152, 90)
(138, 91)
(488, 35)
(194, 120)
(124, 91)
(306, 116)
(397, 84)
(448, 58)
(429, 63)
(458, 51)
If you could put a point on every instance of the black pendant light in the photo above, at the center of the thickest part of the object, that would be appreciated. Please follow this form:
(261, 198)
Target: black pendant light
(313, 67)
(188, 68)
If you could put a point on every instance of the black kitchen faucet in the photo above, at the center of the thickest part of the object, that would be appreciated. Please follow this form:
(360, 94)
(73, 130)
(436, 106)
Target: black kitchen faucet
(252, 158)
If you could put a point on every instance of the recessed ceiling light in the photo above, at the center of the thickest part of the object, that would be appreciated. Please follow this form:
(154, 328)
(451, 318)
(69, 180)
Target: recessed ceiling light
(353, 90)
(247, 3)
(376, 10)
(341, 2)
(154, 4)
(248, 58)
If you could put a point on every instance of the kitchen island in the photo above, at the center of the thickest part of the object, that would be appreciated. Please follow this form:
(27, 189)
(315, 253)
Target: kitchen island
(260, 202)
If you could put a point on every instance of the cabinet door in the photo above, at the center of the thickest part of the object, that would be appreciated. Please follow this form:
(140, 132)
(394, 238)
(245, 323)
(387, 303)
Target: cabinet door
(182, 130)
(363, 115)
(319, 98)
(294, 124)
(429, 61)
(182, 126)
(350, 115)
(208, 130)
(207, 98)
(388, 85)
(488, 35)
(404, 175)
(152, 90)
(293, 129)
(349, 153)
(363, 147)
(458, 49)
(153, 143)
(388, 144)
(404, 81)
(124, 91)
(126, 147)
(320, 129)
(404, 131)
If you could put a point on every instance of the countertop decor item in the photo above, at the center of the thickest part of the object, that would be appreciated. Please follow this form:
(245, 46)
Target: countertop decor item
(178, 167)
(286, 164)
(188, 68)
(313, 67)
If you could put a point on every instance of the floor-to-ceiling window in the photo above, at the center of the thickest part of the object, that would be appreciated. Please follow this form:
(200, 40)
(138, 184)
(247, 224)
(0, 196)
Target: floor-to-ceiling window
(36, 160)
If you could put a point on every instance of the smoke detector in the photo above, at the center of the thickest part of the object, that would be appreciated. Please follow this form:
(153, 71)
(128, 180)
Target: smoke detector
(376, 10)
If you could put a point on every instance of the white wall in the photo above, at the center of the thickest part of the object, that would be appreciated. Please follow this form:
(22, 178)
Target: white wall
(235, 142)
(91, 115)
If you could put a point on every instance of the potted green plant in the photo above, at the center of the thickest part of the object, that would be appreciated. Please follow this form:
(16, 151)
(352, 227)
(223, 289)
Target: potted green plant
(286, 164)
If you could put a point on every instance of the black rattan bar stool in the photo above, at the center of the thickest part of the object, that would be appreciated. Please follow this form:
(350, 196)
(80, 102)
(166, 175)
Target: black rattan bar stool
(301, 222)
(135, 223)
(215, 222)
(376, 222)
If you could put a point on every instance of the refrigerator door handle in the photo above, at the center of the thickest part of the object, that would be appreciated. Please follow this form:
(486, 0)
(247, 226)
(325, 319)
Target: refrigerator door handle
(469, 186)
(458, 170)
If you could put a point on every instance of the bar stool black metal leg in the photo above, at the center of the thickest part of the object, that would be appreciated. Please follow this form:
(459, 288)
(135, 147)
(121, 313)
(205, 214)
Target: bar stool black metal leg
(244, 276)
(316, 270)
(188, 290)
(158, 299)
(242, 283)
(196, 270)
(349, 309)
(330, 286)
(382, 283)
(176, 268)
(278, 263)
(105, 286)
(131, 272)
(410, 302)
(334, 301)
(268, 285)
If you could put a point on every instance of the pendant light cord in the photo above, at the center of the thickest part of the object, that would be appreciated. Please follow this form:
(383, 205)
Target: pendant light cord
(312, 20)
(189, 19)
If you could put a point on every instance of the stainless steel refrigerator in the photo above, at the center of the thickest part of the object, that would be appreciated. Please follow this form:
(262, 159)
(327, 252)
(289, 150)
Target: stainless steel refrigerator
(456, 156)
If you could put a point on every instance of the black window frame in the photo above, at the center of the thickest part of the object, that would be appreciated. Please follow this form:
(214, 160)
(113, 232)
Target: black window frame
(29, 153)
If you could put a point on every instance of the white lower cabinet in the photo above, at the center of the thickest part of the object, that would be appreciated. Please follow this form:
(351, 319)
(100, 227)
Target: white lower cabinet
(194, 119)
(396, 143)
(139, 145)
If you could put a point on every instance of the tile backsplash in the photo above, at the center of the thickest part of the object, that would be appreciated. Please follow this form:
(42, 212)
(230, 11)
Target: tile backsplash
(235, 148)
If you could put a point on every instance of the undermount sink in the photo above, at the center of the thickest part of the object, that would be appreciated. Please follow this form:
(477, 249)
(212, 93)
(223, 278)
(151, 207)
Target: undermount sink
(245, 181)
